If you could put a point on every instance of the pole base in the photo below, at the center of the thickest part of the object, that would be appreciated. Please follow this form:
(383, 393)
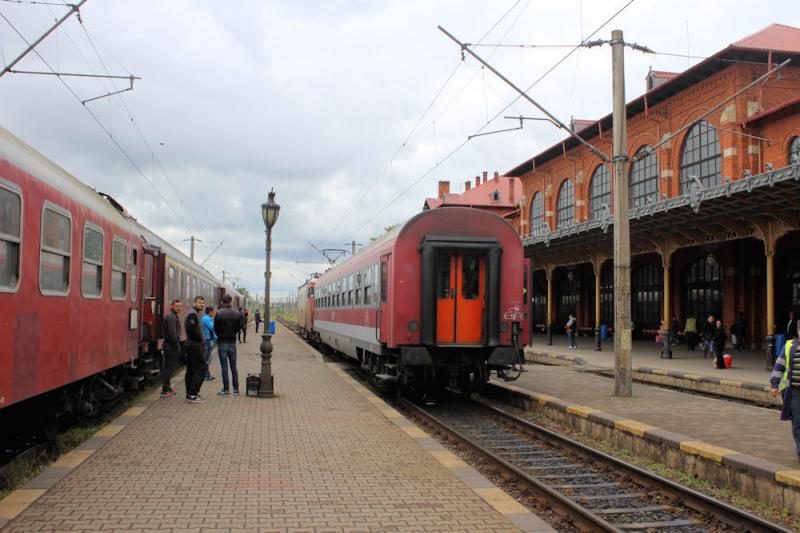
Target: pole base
(549, 335)
(267, 387)
(598, 346)
(770, 351)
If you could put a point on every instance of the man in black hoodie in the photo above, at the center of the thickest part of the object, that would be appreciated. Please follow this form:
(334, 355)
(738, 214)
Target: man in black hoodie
(171, 348)
(195, 351)
(226, 325)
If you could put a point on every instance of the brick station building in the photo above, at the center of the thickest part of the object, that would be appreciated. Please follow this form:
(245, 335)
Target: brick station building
(714, 210)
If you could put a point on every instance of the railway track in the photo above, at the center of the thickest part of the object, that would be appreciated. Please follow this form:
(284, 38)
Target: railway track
(595, 490)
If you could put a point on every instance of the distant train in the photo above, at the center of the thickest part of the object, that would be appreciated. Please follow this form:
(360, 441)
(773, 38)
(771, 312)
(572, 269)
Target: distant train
(83, 289)
(437, 302)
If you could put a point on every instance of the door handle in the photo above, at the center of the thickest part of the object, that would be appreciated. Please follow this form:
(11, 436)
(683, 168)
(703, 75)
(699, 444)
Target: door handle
(378, 324)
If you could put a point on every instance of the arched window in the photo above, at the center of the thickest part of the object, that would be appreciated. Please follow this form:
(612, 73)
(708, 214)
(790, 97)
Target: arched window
(647, 286)
(794, 151)
(599, 192)
(537, 215)
(700, 156)
(703, 289)
(565, 205)
(644, 177)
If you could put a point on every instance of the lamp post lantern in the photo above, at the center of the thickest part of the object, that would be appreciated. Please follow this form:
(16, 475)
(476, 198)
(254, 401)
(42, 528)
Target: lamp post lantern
(269, 212)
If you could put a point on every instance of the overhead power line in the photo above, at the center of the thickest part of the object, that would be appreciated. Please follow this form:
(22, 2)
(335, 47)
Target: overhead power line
(404, 143)
(497, 115)
(97, 120)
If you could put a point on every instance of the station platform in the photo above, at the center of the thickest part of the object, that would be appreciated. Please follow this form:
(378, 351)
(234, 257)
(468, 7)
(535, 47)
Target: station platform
(746, 380)
(324, 455)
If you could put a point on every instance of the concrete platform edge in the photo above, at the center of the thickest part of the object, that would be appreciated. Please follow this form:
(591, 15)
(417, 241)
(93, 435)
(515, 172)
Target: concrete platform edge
(751, 476)
(757, 393)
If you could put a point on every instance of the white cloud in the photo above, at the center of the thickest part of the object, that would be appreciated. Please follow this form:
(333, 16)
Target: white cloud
(314, 98)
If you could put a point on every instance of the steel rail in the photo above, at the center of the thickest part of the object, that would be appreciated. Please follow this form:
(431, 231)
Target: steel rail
(688, 497)
(583, 518)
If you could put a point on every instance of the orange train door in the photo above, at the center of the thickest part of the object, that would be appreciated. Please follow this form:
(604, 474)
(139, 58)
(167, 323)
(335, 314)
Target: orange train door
(460, 290)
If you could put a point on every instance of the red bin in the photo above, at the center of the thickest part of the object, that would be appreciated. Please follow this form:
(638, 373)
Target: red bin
(728, 358)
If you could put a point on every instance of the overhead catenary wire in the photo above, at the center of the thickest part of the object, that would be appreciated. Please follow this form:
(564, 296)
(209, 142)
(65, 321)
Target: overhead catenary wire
(498, 114)
(99, 123)
(419, 121)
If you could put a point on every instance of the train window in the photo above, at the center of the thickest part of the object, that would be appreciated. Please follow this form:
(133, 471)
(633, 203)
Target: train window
(443, 276)
(10, 238)
(384, 281)
(358, 297)
(171, 284)
(350, 298)
(92, 270)
(470, 277)
(182, 291)
(56, 250)
(134, 273)
(119, 269)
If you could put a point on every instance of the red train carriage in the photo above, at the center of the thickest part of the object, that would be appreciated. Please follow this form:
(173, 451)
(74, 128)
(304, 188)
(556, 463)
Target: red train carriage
(83, 288)
(439, 301)
(305, 309)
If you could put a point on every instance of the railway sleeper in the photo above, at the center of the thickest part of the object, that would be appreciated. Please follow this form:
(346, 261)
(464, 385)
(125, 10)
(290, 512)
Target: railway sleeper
(631, 510)
(635, 526)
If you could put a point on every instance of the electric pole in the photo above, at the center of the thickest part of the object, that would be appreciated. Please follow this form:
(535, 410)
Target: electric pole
(194, 240)
(192, 256)
(353, 248)
(622, 239)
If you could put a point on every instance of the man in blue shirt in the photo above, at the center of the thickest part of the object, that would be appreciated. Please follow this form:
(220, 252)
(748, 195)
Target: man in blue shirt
(208, 328)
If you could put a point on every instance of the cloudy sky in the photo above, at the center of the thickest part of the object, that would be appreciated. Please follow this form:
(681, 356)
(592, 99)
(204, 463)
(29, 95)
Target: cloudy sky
(351, 110)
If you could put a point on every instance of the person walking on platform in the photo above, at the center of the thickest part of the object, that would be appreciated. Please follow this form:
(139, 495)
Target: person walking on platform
(172, 348)
(708, 336)
(195, 351)
(208, 330)
(791, 327)
(571, 326)
(690, 332)
(786, 380)
(257, 317)
(226, 326)
(719, 345)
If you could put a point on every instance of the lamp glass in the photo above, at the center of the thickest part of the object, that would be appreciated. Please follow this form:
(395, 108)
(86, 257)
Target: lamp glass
(270, 210)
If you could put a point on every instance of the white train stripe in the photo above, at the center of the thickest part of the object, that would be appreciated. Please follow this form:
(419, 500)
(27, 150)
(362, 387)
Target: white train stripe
(347, 337)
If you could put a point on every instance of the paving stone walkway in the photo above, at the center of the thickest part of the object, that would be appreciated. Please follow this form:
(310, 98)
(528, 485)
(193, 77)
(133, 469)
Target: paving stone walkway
(745, 428)
(318, 458)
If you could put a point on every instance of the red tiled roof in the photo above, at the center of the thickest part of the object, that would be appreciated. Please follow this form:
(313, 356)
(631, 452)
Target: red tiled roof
(772, 110)
(480, 196)
(775, 37)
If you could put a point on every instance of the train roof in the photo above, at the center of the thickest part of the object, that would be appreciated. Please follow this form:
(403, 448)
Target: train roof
(23, 156)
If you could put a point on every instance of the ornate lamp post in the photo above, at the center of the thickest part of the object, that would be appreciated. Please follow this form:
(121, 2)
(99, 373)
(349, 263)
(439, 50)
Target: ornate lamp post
(269, 212)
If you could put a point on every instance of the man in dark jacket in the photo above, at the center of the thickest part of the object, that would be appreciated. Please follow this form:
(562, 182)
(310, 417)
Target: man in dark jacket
(172, 348)
(195, 351)
(227, 323)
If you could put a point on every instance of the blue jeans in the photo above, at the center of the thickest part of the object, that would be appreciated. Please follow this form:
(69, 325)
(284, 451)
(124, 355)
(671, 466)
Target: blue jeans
(209, 350)
(227, 353)
(795, 405)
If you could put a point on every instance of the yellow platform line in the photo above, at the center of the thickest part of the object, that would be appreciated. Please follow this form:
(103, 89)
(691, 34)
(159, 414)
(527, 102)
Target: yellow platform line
(18, 501)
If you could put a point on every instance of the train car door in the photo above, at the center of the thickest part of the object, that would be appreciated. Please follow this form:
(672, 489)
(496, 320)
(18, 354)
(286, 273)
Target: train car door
(460, 292)
(384, 304)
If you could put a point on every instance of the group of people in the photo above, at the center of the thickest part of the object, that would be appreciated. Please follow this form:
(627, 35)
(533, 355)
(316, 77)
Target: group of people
(218, 328)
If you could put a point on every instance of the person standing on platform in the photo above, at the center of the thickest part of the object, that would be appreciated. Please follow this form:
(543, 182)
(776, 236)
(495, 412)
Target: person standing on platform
(708, 336)
(258, 319)
(208, 330)
(690, 332)
(195, 351)
(791, 327)
(674, 328)
(571, 326)
(241, 326)
(719, 345)
(226, 326)
(785, 372)
(172, 348)
(738, 330)
(246, 317)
